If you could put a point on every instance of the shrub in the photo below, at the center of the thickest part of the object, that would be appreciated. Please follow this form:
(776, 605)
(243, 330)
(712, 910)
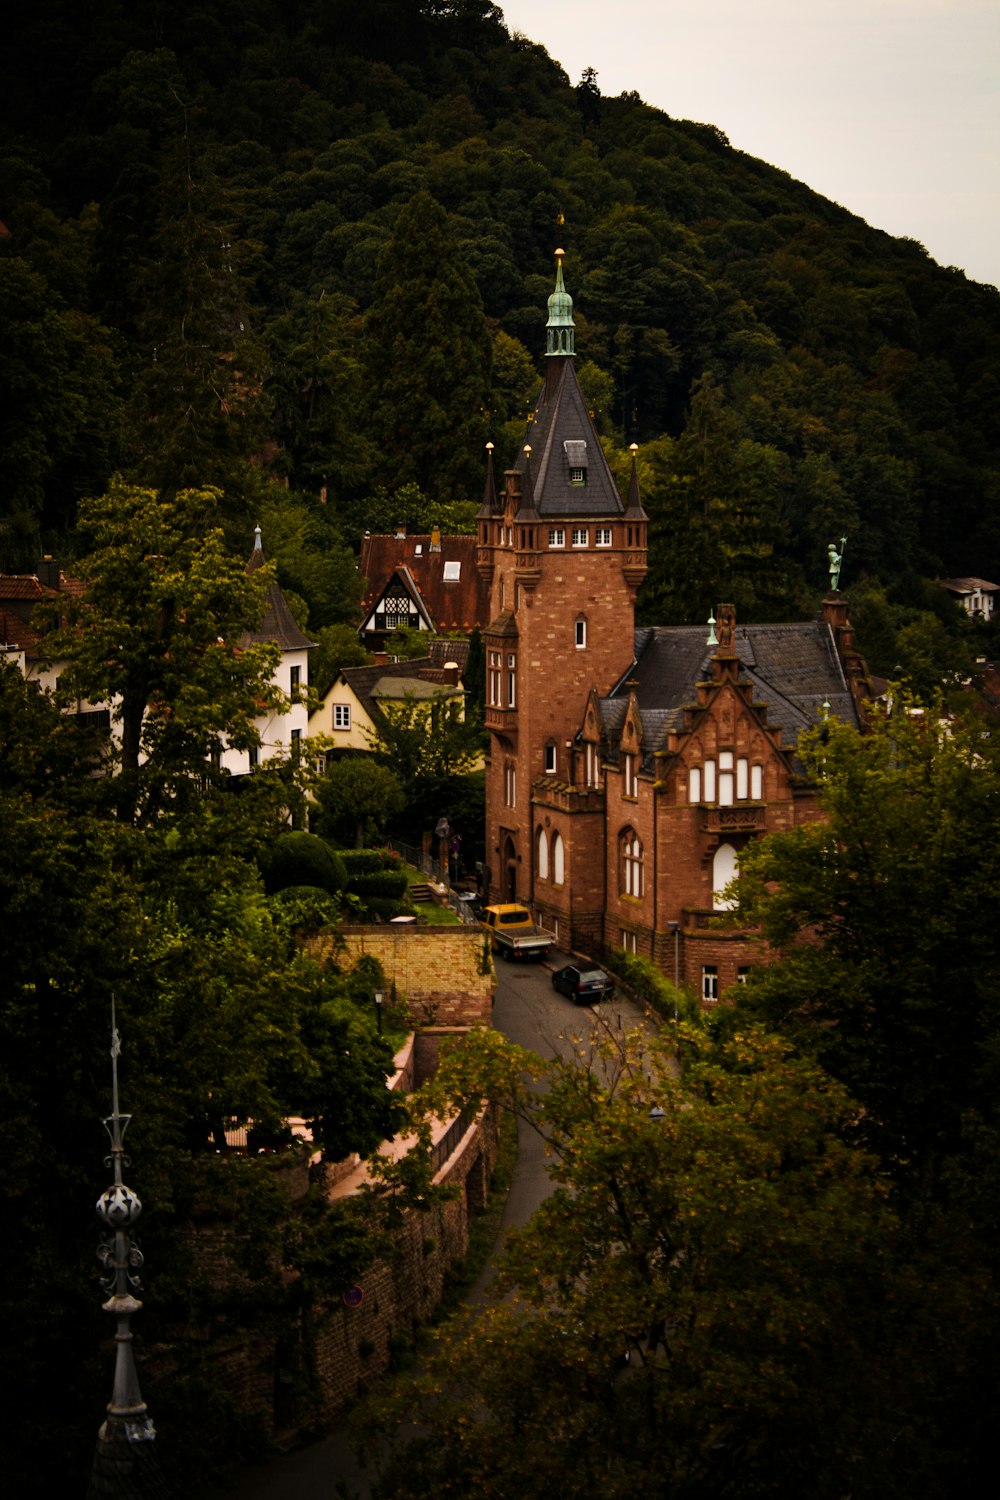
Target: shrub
(296, 859)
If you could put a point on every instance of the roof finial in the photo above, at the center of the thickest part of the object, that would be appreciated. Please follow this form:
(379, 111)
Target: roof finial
(560, 331)
(489, 504)
(712, 638)
(258, 544)
(126, 1457)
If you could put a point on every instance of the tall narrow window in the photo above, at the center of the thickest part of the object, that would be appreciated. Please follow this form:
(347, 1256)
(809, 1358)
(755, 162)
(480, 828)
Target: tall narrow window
(542, 857)
(630, 786)
(709, 984)
(591, 765)
(558, 859)
(509, 784)
(495, 680)
(511, 681)
(632, 873)
(294, 679)
(550, 760)
(694, 784)
(757, 783)
(742, 779)
(581, 634)
(726, 789)
(709, 780)
(725, 867)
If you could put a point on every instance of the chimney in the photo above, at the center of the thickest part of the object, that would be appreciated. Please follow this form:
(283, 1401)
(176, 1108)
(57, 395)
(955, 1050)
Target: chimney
(381, 658)
(450, 673)
(435, 538)
(400, 532)
(47, 572)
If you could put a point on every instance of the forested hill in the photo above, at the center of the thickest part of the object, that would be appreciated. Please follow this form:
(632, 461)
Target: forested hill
(198, 196)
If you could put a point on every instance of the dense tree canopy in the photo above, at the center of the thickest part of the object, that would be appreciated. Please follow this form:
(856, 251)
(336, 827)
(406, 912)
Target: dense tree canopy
(883, 916)
(717, 1299)
(294, 238)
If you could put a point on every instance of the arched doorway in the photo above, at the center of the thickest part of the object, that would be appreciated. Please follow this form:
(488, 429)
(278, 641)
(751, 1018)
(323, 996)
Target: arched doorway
(509, 868)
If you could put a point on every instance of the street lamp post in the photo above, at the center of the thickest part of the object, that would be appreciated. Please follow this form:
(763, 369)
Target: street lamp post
(379, 997)
(675, 928)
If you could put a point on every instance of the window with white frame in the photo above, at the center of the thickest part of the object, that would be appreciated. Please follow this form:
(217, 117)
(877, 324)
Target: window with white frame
(628, 940)
(591, 765)
(542, 854)
(725, 867)
(742, 779)
(557, 536)
(726, 779)
(632, 878)
(550, 760)
(341, 716)
(511, 680)
(630, 786)
(709, 984)
(495, 680)
(452, 572)
(602, 536)
(708, 780)
(581, 536)
(294, 680)
(742, 973)
(558, 858)
(509, 784)
(694, 784)
(581, 634)
(756, 783)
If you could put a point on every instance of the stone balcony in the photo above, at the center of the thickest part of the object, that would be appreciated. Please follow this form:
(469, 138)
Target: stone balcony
(743, 817)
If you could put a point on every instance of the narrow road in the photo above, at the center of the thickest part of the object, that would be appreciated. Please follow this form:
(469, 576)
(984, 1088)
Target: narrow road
(532, 1014)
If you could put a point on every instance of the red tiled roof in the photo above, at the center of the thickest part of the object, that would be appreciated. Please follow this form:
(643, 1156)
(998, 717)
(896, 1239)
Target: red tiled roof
(453, 604)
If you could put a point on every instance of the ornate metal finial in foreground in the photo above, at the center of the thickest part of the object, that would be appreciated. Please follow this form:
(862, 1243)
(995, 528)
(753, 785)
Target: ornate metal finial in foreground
(836, 558)
(125, 1463)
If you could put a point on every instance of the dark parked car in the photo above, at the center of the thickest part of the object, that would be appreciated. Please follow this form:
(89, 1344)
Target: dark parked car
(585, 986)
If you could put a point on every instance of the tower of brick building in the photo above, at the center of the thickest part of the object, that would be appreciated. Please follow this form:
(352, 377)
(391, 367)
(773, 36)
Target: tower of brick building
(563, 556)
(629, 769)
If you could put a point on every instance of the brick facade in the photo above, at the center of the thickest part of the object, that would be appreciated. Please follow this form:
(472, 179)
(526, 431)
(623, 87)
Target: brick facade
(439, 976)
(629, 768)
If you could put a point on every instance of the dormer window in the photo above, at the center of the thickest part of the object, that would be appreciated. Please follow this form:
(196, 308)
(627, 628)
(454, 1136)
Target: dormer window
(452, 572)
(576, 460)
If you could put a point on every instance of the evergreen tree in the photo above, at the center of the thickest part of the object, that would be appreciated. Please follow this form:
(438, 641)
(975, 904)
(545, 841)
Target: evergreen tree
(427, 357)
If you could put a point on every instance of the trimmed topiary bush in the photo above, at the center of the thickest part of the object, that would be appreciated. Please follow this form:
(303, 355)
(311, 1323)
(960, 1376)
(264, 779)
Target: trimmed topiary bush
(297, 858)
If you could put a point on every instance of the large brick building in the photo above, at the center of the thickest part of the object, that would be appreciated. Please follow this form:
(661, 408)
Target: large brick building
(628, 768)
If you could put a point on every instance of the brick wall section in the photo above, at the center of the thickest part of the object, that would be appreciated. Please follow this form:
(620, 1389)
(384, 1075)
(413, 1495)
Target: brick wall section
(347, 1348)
(435, 971)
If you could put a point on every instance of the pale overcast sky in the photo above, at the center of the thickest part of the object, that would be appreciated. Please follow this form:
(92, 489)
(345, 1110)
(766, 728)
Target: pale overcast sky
(889, 107)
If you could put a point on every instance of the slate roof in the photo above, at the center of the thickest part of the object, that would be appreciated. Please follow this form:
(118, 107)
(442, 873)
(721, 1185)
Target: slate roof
(562, 417)
(794, 669)
(451, 604)
(278, 623)
(420, 678)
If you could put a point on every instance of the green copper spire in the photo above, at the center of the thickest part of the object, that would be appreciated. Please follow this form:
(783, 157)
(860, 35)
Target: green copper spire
(559, 330)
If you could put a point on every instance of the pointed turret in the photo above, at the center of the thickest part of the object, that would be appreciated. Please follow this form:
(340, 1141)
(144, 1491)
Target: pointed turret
(490, 504)
(560, 329)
